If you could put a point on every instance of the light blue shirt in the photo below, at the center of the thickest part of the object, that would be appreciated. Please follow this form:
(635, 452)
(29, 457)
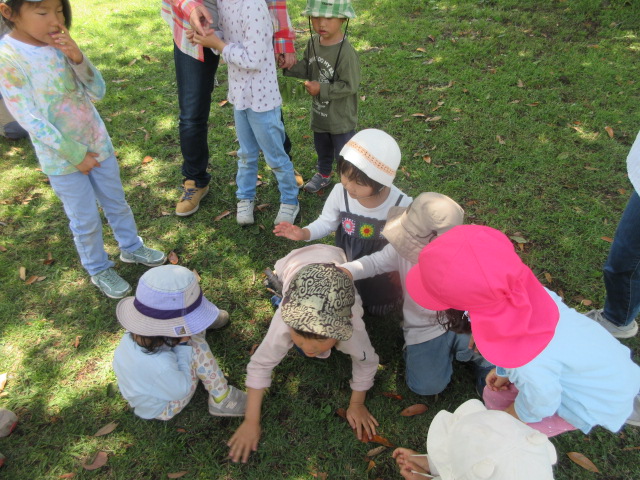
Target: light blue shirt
(150, 381)
(584, 374)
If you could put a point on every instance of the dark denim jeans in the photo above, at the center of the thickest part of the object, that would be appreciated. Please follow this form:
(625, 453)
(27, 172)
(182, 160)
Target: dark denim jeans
(328, 147)
(195, 85)
(622, 270)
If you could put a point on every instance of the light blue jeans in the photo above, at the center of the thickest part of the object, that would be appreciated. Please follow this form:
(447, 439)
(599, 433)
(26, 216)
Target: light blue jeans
(80, 195)
(429, 364)
(263, 131)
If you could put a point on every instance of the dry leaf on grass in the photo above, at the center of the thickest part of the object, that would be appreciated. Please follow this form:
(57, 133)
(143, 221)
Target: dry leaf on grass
(108, 428)
(177, 474)
(67, 475)
(607, 239)
(377, 439)
(583, 461)
(3, 248)
(222, 215)
(376, 451)
(263, 206)
(49, 260)
(23, 273)
(32, 279)
(548, 277)
(99, 461)
(76, 343)
(609, 131)
(371, 465)
(341, 412)
(392, 395)
(222, 103)
(173, 258)
(147, 159)
(416, 409)
(233, 153)
(3, 381)
(181, 430)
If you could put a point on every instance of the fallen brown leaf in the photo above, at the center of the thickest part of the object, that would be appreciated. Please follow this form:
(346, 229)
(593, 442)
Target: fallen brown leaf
(100, 460)
(320, 475)
(622, 191)
(67, 475)
(233, 153)
(108, 428)
(416, 409)
(263, 206)
(500, 140)
(627, 449)
(222, 215)
(177, 474)
(381, 441)
(173, 258)
(607, 239)
(3, 248)
(341, 412)
(583, 461)
(392, 395)
(609, 131)
(418, 115)
(586, 302)
(420, 49)
(76, 343)
(253, 349)
(147, 159)
(520, 84)
(427, 159)
(181, 430)
(371, 465)
(376, 451)
(32, 279)
(222, 103)
(49, 260)
(548, 277)
(23, 273)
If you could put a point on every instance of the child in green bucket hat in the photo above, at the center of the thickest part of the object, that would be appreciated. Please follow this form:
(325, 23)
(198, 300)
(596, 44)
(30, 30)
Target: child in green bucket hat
(331, 68)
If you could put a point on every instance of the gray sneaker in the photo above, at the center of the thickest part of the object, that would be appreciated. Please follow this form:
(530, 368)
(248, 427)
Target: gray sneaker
(111, 284)
(221, 321)
(317, 182)
(233, 405)
(144, 255)
(287, 213)
(626, 331)
(244, 213)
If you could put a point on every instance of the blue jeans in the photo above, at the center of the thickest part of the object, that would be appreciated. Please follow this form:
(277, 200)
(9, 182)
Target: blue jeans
(429, 364)
(195, 84)
(622, 270)
(328, 148)
(80, 195)
(263, 131)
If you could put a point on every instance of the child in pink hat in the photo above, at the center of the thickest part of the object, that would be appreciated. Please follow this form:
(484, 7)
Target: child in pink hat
(556, 369)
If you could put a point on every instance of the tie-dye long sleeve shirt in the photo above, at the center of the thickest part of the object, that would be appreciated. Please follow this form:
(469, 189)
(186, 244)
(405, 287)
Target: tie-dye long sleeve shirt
(51, 98)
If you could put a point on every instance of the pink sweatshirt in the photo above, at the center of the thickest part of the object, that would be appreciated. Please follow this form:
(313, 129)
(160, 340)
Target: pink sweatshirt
(277, 341)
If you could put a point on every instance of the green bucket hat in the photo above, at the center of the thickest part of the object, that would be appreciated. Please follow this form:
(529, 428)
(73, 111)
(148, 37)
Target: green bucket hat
(319, 300)
(329, 9)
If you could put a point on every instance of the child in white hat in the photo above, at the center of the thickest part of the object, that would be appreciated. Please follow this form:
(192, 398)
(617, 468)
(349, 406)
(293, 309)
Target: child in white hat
(408, 230)
(356, 210)
(474, 443)
(320, 310)
(164, 353)
(331, 68)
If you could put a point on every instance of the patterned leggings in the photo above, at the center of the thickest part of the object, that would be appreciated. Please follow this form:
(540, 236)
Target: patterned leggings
(204, 368)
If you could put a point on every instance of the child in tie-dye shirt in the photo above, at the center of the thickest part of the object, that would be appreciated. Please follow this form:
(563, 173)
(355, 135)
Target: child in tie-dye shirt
(48, 85)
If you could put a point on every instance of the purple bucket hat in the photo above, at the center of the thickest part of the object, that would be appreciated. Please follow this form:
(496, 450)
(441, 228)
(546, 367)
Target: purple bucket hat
(168, 303)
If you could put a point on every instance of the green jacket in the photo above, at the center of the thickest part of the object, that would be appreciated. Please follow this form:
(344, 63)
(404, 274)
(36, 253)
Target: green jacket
(335, 109)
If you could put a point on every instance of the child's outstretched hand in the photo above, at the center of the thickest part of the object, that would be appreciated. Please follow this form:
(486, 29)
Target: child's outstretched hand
(67, 45)
(361, 420)
(495, 382)
(313, 88)
(89, 163)
(244, 441)
(292, 232)
(407, 461)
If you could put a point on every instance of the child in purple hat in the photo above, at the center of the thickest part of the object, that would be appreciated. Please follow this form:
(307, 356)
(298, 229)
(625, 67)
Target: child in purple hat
(164, 352)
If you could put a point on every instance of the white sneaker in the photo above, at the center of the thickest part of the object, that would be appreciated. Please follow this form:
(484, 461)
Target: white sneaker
(244, 214)
(626, 331)
(287, 213)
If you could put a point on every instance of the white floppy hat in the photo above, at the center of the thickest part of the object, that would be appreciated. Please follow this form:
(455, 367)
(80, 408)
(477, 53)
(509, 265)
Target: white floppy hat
(474, 443)
(168, 303)
(374, 152)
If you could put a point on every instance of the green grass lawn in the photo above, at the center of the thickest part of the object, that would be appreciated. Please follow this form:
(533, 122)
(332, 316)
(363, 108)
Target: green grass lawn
(501, 104)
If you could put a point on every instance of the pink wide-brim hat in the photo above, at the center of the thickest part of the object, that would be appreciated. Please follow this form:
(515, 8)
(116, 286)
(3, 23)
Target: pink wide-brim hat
(476, 269)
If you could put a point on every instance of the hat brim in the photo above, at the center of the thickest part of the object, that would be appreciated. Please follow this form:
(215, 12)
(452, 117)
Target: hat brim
(192, 323)
(491, 327)
(402, 241)
(419, 293)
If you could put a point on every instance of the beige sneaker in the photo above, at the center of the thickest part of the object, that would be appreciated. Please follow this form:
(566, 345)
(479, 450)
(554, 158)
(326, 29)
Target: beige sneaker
(190, 200)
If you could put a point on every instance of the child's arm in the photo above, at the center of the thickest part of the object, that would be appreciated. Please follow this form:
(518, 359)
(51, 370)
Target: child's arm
(283, 34)
(359, 417)
(246, 437)
(386, 260)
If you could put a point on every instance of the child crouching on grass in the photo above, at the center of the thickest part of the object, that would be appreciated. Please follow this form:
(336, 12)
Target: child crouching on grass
(164, 352)
(49, 86)
(320, 310)
(556, 369)
(476, 443)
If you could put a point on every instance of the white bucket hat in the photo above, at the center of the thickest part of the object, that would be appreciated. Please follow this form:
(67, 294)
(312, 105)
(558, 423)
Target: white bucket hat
(410, 228)
(168, 303)
(474, 443)
(374, 152)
